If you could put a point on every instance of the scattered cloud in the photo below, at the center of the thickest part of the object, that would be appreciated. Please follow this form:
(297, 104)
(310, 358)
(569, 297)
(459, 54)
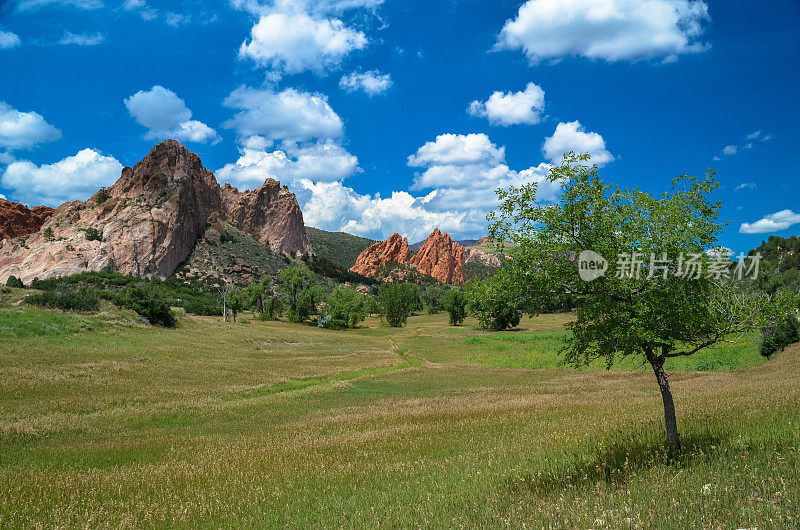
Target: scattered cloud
(73, 178)
(28, 5)
(746, 186)
(82, 39)
(8, 40)
(611, 30)
(571, 136)
(729, 150)
(511, 108)
(166, 116)
(176, 19)
(333, 206)
(289, 115)
(290, 43)
(371, 83)
(773, 222)
(753, 135)
(324, 161)
(24, 129)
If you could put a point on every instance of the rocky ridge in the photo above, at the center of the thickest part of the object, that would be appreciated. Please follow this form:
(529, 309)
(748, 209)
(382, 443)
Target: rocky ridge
(439, 257)
(18, 220)
(149, 221)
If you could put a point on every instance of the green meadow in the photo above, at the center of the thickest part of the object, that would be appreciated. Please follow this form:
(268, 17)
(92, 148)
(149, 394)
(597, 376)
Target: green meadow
(106, 422)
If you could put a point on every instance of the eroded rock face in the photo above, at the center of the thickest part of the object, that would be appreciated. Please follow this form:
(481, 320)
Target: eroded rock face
(441, 258)
(394, 249)
(270, 214)
(476, 255)
(18, 220)
(147, 223)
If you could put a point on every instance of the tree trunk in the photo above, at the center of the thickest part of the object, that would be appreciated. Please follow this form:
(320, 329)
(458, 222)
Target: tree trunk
(670, 422)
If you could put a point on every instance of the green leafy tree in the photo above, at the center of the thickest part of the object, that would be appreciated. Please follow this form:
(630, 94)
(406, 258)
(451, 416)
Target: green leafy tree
(433, 297)
(495, 302)
(625, 312)
(238, 300)
(455, 303)
(396, 302)
(302, 292)
(346, 307)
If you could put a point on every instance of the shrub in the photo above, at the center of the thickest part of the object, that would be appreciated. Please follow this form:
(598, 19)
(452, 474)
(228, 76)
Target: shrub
(433, 297)
(93, 234)
(346, 308)
(48, 234)
(13, 281)
(66, 299)
(455, 303)
(102, 195)
(777, 337)
(202, 305)
(148, 303)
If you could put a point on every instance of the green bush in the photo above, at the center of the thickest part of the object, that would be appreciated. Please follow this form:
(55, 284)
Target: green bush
(93, 234)
(777, 337)
(455, 303)
(202, 305)
(148, 303)
(66, 299)
(13, 281)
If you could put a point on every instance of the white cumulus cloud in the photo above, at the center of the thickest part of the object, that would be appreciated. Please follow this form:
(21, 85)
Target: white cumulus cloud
(295, 42)
(24, 129)
(322, 161)
(612, 30)
(773, 222)
(73, 178)
(511, 108)
(729, 150)
(8, 40)
(571, 136)
(287, 115)
(166, 116)
(371, 83)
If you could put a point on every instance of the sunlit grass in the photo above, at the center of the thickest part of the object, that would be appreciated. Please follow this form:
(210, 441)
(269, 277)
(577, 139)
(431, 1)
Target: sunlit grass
(115, 424)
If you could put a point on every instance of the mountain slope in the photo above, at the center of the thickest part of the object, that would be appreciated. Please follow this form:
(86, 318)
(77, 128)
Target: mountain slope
(339, 247)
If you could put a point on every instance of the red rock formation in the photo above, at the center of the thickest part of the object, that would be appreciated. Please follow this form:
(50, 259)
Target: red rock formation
(441, 258)
(18, 220)
(394, 249)
(150, 220)
(270, 214)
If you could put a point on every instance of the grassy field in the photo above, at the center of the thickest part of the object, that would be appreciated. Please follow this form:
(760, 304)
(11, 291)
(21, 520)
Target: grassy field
(107, 422)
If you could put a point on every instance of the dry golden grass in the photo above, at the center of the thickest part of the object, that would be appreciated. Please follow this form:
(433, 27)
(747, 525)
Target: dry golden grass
(275, 424)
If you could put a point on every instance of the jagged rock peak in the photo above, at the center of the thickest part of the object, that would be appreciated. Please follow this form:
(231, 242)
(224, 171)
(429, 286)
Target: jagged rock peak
(441, 258)
(149, 221)
(18, 220)
(395, 249)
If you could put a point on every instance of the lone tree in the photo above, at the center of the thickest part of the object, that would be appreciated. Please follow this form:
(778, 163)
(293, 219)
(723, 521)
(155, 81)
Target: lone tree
(657, 308)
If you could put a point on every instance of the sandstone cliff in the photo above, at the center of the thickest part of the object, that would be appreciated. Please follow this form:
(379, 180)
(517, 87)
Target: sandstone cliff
(18, 220)
(149, 221)
(441, 258)
(395, 249)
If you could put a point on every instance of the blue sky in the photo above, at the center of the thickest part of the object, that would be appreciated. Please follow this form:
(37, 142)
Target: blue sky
(386, 116)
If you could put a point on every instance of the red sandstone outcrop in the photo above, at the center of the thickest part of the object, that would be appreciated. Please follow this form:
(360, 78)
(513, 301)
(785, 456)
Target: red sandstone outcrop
(18, 220)
(149, 221)
(395, 249)
(441, 258)
(476, 255)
